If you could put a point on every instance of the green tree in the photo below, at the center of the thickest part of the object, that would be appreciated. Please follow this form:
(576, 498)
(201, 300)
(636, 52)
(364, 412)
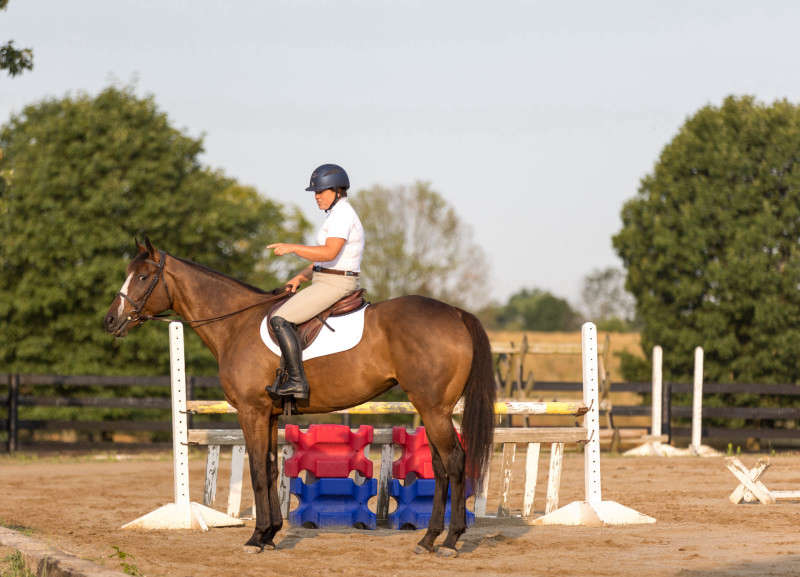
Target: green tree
(82, 177)
(606, 301)
(12, 59)
(710, 243)
(417, 244)
(537, 310)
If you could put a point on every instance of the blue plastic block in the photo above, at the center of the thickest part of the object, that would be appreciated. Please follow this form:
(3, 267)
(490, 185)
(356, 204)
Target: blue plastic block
(415, 504)
(333, 503)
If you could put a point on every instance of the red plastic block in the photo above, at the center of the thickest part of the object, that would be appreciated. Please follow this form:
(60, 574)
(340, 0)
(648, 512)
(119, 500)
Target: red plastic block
(416, 457)
(328, 450)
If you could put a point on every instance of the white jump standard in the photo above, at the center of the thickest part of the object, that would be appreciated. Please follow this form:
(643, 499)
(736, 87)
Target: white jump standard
(181, 514)
(593, 510)
(654, 445)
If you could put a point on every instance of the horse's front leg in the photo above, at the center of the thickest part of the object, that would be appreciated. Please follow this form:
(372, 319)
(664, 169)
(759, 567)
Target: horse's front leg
(255, 425)
(276, 517)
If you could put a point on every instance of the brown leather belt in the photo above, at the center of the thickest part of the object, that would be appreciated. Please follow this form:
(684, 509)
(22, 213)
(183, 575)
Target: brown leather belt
(334, 271)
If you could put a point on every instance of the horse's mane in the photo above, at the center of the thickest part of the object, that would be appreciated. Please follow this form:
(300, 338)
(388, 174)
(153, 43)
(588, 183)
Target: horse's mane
(214, 273)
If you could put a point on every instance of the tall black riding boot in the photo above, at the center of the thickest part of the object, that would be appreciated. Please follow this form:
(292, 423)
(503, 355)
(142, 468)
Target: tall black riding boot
(290, 382)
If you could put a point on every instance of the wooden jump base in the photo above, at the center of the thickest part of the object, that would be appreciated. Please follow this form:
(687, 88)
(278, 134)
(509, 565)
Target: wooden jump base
(592, 511)
(751, 489)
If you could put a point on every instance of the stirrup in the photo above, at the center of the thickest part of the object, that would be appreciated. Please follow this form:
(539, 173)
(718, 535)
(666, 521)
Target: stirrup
(281, 375)
(289, 406)
(275, 392)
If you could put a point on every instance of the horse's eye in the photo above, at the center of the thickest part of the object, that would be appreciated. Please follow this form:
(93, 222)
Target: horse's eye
(142, 277)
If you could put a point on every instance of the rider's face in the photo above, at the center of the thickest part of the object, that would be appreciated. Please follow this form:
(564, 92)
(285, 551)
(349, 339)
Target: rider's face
(325, 198)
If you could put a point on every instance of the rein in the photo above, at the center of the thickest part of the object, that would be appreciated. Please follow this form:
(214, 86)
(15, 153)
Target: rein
(136, 314)
(167, 318)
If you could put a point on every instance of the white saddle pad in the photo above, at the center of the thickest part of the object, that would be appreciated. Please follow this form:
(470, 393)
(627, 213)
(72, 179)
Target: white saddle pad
(347, 332)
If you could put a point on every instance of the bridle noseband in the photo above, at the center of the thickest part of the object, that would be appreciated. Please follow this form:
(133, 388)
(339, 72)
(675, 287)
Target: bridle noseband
(136, 313)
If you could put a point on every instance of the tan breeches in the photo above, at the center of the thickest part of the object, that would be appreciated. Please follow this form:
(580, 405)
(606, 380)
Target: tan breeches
(325, 289)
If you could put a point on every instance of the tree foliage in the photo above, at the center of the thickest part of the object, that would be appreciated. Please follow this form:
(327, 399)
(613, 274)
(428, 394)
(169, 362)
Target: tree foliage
(606, 301)
(14, 60)
(536, 310)
(417, 244)
(710, 243)
(81, 177)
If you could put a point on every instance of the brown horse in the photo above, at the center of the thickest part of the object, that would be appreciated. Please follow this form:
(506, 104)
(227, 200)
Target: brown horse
(434, 351)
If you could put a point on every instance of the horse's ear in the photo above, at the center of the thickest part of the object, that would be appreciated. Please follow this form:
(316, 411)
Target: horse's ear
(149, 246)
(139, 246)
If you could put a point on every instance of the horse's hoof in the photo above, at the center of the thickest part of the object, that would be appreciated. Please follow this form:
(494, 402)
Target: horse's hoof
(252, 549)
(446, 552)
(420, 550)
(270, 546)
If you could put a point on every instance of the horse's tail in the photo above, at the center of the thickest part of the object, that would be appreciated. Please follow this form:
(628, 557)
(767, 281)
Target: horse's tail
(477, 425)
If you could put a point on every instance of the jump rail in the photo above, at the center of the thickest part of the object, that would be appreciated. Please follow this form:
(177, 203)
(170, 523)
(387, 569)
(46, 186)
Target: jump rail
(575, 408)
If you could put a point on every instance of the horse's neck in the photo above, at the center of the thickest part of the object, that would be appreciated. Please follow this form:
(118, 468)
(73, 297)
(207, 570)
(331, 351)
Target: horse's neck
(198, 294)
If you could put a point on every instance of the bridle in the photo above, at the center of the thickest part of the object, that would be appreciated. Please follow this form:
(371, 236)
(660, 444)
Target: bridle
(136, 314)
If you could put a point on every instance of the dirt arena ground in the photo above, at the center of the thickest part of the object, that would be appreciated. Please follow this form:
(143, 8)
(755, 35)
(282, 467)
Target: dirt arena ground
(78, 505)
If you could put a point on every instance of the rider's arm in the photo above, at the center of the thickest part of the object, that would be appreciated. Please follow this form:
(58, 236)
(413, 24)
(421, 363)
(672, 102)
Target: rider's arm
(301, 277)
(332, 247)
(305, 274)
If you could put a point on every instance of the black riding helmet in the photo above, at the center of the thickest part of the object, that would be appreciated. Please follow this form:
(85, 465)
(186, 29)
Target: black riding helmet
(328, 176)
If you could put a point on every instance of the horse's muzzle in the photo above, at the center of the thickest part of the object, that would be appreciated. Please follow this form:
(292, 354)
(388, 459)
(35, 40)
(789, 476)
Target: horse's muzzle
(117, 326)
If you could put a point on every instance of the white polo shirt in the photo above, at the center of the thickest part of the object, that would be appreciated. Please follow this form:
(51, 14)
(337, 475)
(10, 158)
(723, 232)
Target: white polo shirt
(343, 222)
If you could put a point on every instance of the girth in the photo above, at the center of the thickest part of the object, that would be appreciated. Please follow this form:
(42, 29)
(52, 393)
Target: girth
(309, 330)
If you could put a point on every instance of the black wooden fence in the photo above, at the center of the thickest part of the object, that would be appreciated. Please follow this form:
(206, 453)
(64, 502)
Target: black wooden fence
(95, 410)
(98, 411)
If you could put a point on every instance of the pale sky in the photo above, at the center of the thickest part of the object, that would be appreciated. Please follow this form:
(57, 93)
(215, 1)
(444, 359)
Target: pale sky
(535, 120)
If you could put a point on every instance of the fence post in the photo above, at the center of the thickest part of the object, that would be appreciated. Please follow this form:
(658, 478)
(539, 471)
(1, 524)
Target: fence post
(13, 413)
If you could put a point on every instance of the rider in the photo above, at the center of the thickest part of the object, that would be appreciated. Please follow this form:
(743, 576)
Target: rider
(336, 264)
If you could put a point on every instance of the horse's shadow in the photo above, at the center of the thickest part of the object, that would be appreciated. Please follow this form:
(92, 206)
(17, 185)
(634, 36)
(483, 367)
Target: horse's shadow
(486, 532)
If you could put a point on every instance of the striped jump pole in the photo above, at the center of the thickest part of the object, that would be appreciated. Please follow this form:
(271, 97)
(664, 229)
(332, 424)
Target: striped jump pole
(575, 408)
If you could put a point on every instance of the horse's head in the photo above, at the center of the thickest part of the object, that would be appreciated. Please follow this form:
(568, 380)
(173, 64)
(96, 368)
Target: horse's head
(144, 293)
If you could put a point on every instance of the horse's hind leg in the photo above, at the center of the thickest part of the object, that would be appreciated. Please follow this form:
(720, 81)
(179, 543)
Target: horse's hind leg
(436, 524)
(442, 438)
(458, 508)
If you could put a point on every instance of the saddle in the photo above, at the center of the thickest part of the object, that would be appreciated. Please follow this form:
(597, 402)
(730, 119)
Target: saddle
(309, 330)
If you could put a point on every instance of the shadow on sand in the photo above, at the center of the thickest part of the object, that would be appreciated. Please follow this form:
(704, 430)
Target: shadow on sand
(484, 533)
(779, 567)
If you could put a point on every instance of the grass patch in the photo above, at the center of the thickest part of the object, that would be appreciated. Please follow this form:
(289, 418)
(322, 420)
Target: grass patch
(14, 566)
(15, 527)
(125, 562)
